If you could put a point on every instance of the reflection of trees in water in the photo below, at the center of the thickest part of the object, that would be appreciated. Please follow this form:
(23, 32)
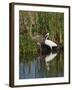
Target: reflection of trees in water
(39, 68)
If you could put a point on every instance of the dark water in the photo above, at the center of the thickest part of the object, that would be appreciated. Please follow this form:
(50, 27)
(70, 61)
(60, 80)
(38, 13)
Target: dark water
(42, 66)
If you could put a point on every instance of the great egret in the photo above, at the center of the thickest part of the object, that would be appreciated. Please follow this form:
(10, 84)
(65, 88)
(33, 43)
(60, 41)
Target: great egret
(49, 42)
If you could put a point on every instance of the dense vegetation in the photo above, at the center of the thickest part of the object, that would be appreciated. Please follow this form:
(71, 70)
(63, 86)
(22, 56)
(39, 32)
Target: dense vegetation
(33, 24)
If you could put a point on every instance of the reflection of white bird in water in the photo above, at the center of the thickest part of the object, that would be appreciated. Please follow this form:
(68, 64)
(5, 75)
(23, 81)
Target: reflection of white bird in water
(48, 66)
(50, 57)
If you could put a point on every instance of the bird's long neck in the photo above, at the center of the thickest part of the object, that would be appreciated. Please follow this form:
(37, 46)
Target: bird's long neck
(47, 37)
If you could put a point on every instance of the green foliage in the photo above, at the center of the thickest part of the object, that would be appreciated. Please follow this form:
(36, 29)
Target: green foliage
(39, 23)
(26, 46)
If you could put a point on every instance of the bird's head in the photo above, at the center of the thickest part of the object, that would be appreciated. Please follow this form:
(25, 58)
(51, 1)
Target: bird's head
(47, 34)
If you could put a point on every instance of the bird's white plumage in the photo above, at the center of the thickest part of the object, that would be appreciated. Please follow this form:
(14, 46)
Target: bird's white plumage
(50, 43)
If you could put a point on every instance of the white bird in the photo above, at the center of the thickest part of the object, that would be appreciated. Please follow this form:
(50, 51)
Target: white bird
(49, 42)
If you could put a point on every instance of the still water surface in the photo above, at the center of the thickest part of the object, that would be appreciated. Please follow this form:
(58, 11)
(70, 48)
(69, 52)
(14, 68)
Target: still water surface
(42, 66)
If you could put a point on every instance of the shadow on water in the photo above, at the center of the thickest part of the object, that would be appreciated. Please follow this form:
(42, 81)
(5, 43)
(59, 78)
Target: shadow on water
(42, 66)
